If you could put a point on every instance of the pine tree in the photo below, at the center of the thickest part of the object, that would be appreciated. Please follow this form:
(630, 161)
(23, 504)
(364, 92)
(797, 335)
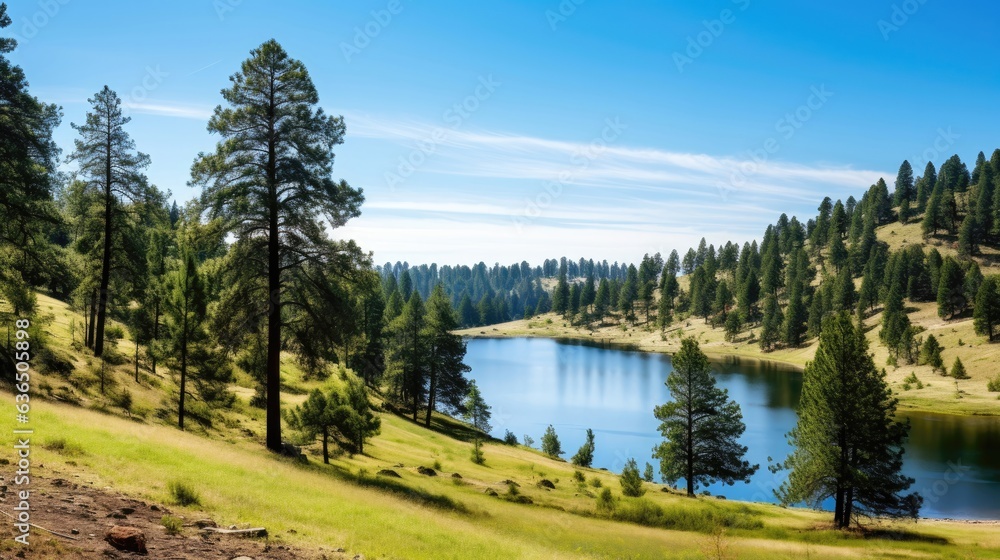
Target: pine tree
(905, 191)
(933, 217)
(847, 444)
(478, 413)
(550, 443)
(631, 481)
(269, 180)
(112, 168)
(986, 316)
(844, 295)
(958, 370)
(732, 327)
(701, 426)
(407, 354)
(723, 299)
(447, 385)
(629, 293)
(930, 354)
(186, 312)
(602, 299)
(585, 455)
(925, 185)
(561, 295)
(648, 474)
(314, 417)
(951, 290)
(770, 331)
(895, 322)
(795, 317)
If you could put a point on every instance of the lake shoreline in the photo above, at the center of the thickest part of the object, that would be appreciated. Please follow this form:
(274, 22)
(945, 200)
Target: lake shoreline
(941, 401)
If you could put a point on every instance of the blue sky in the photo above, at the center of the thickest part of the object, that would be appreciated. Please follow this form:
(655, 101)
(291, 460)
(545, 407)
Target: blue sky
(529, 130)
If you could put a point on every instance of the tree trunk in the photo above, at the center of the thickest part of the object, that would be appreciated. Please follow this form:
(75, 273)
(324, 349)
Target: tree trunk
(156, 334)
(326, 454)
(184, 337)
(690, 442)
(102, 307)
(273, 376)
(430, 395)
(93, 319)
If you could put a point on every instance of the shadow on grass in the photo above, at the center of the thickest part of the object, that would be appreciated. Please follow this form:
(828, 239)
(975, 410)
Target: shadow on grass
(900, 535)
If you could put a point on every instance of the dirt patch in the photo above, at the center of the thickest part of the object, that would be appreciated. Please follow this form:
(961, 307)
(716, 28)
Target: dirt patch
(87, 513)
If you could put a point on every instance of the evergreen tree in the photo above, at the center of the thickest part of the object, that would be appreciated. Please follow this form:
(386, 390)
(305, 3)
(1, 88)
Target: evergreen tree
(407, 354)
(844, 295)
(648, 474)
(986, 315)
(112, 168)
(478, 413)
(589, 294)
(447, 385)
(847, 444)
(550, 443)
(269, 180)
(629, 293)
(585, 455)
(314, 417)
(795, 317)
(958, 370)
(631, 481)
(930, 354)
(925, 185)
(895, 322)
(561, 295)
(732, 327)
(701, 426)
(933, 215)
(905, 190)
(951, 290)
(602, 299)
(723, 299)
(770, 331)
(186, 312)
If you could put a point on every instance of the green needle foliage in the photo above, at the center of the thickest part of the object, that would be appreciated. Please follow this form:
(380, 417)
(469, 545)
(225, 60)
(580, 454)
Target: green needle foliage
(631, 481)
(585, 455)
(848, 446)
(701, 426)
(269, 180)
(550, 443)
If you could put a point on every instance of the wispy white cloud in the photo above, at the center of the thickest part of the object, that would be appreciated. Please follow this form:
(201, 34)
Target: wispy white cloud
(166, 109)
(496, 155)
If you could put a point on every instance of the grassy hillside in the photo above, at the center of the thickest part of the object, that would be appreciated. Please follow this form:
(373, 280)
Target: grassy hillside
(316, 507)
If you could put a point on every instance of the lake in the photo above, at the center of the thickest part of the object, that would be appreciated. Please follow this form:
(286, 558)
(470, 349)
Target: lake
(531, 383)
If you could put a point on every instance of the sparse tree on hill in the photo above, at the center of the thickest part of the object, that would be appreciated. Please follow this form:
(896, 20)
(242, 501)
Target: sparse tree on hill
(701, 426)
(770, 330)
(477, 413)
(951, 290)
(585, 455)
(550, 443)
(847, 444)
(631, 481)
(269, 180)
(958, 370)
(930, 354)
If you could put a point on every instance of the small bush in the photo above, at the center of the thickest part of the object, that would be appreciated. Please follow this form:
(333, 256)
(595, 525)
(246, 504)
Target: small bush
(123, 400)
(509, 438)
(183, 493)
(437, 465)
(595, 482)
(63, 447)
(172, 524)
(605, 502)
(994, 384)
(631, 481)
(578, 477)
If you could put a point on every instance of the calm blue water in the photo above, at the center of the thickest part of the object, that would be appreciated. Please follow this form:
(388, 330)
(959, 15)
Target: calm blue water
(531, 383)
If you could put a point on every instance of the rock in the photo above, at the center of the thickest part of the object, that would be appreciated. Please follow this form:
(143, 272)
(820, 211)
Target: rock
(242, 558)
(203, 523)
(154, 507)
(74, 532)
(128, 510)
(117, 515)
(254, 533)
(456, 475)
(398, 466)
(389, 473)
(426, 471)
(510, 482)
(546, 483)
(491, 492)
(339, 550)
(128, 539)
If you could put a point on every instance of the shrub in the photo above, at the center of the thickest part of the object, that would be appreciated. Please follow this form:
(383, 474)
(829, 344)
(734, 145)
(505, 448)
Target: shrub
(595, 482)
(123, 400)
(958, 370)
(578, 477)
(172, 524)
(63, 447)
(183, 493)
(631, 481)
(550, 443)
(605, 502)
(509, 438)
(994, 384)
(437, 465)
(648, 475)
